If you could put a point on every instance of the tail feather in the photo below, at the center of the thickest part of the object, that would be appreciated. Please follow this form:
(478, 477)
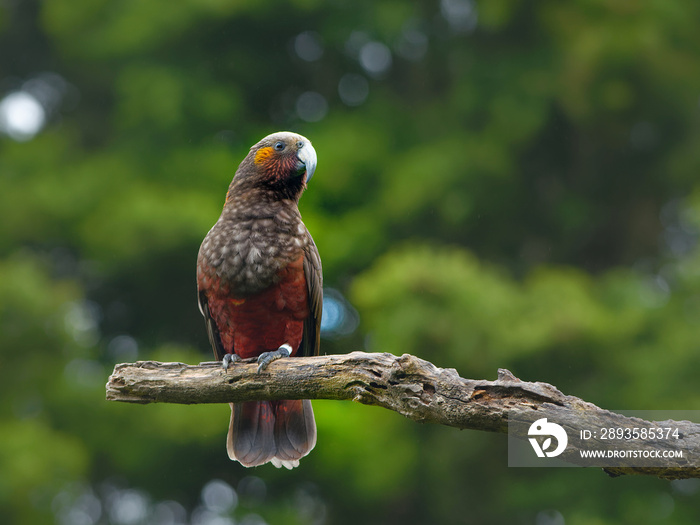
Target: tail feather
(295, 432)
(280, 432)
(250, 437)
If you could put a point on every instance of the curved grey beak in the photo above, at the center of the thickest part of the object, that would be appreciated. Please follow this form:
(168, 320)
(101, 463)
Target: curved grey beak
(307, 155)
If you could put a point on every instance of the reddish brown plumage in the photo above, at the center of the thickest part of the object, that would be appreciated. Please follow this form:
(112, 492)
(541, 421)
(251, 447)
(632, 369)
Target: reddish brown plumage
(259, 282)
(264, 321)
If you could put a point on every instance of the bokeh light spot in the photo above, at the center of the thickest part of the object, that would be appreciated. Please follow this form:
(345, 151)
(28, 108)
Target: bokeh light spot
(308, 46)
(311, 106)
(412, 45)
(21, 116)
(375, 58)
(219, 496)
(128, 507)
(460, 14)
(123, 348)
(252, 491)
(549, 517)
(339, 317)
(168, 513)
(353, 89)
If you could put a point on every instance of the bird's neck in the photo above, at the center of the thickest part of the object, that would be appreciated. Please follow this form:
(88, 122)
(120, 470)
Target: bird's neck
(260, 204)
(265, 192)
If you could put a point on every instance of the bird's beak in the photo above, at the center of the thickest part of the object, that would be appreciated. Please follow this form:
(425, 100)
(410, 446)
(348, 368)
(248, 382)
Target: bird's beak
(307, 156)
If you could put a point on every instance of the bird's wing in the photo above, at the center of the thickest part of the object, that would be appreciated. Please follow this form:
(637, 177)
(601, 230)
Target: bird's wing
(314, 282)
(212, 330)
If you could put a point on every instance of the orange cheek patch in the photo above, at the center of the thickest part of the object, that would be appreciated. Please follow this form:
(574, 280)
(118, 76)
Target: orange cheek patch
(263, 155)
(237, 302)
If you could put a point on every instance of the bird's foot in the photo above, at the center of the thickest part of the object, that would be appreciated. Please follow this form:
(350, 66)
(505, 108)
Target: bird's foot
(266, 358)
(229, 359)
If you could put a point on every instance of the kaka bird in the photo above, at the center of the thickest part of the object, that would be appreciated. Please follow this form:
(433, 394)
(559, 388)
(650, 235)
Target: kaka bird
(260, 291)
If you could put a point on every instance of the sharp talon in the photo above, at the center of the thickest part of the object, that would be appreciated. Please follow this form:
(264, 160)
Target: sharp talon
(266, 358)
(229, 359)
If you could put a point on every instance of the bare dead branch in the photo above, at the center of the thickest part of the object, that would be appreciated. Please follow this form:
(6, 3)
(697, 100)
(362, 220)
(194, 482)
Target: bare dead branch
(408, 385)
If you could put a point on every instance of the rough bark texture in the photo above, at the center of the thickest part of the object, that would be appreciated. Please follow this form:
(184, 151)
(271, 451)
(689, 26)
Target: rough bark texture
(410, 386)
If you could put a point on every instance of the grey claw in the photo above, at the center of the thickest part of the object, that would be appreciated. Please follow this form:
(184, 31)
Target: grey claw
(229, 359)
(266, 358)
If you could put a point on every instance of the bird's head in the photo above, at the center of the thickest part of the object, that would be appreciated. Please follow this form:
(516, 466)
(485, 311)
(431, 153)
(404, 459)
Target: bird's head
(283, 162)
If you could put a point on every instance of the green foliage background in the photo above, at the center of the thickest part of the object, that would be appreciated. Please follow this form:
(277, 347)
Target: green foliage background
(519, 189)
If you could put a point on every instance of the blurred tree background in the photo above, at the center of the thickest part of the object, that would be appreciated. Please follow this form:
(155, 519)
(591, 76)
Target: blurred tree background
(500, 184)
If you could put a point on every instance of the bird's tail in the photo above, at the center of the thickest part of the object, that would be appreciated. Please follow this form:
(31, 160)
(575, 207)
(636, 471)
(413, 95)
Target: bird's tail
(279, 432)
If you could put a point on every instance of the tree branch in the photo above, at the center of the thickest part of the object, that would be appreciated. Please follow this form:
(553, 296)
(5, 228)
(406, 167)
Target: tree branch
(412, 387)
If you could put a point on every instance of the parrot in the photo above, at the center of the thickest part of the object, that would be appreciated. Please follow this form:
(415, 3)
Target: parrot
(260, 290)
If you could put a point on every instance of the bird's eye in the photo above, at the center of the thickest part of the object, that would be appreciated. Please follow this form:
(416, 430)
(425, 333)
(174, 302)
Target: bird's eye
(300, 144)
(279, 146)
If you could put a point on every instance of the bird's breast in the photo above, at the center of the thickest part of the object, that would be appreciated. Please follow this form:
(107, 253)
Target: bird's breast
(246, 256)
